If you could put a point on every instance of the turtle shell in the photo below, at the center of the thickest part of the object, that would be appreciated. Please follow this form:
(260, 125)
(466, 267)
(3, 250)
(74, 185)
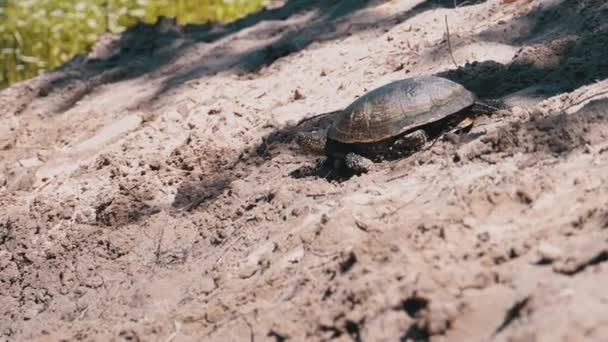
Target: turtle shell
(399, 106)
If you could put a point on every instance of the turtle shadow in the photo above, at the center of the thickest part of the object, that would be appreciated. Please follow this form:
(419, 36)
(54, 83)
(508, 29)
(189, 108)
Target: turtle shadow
(580, 62)
(324, 168)
(192, 194)
(556, 135)
(199, 192)
(487, 79)
(154, 51)
(320, 169)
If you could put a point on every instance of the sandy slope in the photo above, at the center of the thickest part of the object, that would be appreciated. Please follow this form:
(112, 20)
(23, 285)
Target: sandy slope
(152, 191)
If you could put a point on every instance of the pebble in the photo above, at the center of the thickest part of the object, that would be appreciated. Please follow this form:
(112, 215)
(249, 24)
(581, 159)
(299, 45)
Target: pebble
(247, 271)
(549, 252)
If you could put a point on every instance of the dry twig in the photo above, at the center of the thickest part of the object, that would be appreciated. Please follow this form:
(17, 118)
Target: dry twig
(447, 30)
(159, 242)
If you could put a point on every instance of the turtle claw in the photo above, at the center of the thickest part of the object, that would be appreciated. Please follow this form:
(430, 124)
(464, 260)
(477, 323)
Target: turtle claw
(464, 126)
(358, 164)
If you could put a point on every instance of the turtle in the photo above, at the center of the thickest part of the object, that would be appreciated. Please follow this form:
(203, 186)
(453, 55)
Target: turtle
(390, 122)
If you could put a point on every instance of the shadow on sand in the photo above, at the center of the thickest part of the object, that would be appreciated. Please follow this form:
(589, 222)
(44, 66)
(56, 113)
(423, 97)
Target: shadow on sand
(154, 51)
(573, 33)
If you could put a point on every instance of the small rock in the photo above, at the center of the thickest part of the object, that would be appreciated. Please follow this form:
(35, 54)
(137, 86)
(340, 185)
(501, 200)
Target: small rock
(483, 237)
(469, 222)
(154, 165)
(5, 259)
(567, 293)
(362, 225)
(297, 95)
(517, 111)
(67, 213)
(23, 181)
(291, 123)
(262, 253)
(295, 255)
(206, 285)
(437, 317)
(299, 211)
(214, 313)
(247, 271)
(175, 116)
(32, 311)
(30, 163)
(524, 196)
(549, 252)
(451, 137)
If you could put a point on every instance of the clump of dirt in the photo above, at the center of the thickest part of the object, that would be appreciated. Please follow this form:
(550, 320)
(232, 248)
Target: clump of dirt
(153, 191)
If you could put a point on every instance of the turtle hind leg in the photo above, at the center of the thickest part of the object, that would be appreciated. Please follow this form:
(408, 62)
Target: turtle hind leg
(357, 163)
(411, 141)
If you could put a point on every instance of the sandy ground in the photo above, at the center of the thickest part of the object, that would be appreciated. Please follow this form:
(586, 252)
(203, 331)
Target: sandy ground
(151, 191)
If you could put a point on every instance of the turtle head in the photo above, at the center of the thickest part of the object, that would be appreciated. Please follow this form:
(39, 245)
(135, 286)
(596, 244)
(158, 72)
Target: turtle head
(312, 142)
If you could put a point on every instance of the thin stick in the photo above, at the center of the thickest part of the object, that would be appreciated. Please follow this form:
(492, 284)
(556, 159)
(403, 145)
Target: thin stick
(251, 333)
(178, 327)
(159, 244)
(321, 195)
(447, 30)
(227, 248)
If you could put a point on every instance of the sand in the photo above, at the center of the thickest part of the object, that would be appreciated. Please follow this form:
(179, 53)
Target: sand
(152, 191)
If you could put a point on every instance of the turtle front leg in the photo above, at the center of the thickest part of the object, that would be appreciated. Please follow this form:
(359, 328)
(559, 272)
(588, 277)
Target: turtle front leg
(411, 141)
(358, 164)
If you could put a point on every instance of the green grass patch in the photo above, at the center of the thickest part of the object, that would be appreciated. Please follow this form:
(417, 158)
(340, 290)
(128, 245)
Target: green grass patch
(40, 35)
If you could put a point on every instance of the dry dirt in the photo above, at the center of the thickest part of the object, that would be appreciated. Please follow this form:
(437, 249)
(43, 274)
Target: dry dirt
(151, 191)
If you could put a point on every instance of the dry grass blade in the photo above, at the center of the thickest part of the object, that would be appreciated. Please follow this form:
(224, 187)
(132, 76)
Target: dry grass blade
(447, 30)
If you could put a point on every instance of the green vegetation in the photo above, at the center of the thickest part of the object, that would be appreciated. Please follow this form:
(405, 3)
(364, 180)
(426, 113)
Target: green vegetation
(40, 35)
